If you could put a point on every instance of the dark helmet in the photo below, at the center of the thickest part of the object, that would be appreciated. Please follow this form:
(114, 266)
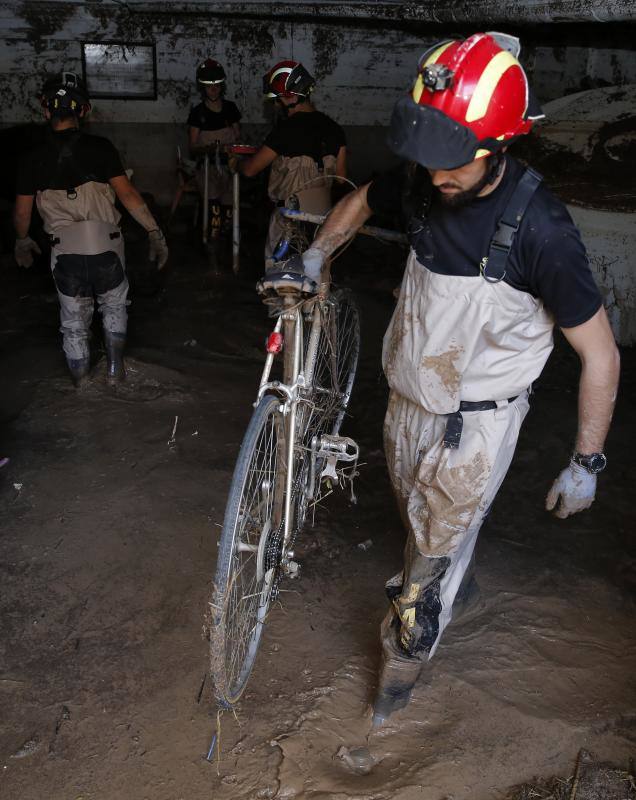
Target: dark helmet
(65, 91)
(210, 72)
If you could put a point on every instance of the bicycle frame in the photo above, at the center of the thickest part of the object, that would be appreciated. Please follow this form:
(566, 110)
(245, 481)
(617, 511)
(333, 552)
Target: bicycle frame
(301, 377)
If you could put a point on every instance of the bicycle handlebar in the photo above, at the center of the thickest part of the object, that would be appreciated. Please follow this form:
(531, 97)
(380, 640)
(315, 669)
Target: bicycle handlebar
(367, 230)
(242, 149)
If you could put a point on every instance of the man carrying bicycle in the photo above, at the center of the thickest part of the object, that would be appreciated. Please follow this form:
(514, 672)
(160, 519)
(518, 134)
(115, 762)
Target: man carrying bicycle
(495, 263)
(303, 149)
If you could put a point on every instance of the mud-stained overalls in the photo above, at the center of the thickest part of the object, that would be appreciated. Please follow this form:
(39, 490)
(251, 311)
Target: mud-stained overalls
(87, 257)
(307, 179)
(460, 355)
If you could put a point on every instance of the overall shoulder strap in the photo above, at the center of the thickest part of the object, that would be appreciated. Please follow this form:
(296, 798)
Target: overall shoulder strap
(416, 198)
(493, 268)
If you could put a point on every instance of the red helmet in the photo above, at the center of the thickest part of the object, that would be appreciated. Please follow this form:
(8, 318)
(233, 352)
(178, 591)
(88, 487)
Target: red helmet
(470, 98)
(287, 79)
(210, 72)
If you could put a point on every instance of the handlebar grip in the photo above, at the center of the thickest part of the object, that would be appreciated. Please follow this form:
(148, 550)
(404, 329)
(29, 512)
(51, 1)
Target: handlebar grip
(242, 149)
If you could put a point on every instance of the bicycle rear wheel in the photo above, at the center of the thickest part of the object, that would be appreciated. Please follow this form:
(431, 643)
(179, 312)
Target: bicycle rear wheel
(248, 559)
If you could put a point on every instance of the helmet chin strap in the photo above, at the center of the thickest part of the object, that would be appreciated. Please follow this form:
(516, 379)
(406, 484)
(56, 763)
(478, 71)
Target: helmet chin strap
(494, 168)
(287, 106)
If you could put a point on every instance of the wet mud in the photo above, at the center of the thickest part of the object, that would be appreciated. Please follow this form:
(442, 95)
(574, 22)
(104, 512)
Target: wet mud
(110, 512)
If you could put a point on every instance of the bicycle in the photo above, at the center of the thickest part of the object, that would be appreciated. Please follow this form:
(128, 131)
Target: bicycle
(292, 448)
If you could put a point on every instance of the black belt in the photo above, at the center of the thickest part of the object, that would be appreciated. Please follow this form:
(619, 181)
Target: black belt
(455, 423)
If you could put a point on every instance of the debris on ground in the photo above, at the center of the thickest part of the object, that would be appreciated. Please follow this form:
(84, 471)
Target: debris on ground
(592, 780)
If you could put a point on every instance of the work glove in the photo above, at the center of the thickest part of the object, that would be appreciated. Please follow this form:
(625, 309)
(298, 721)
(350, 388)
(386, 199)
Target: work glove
(157, 248)
(313, 260)
(24, 250)
(572, 491)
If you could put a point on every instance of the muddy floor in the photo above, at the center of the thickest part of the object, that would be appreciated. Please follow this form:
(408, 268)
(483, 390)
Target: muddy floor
(110, 518)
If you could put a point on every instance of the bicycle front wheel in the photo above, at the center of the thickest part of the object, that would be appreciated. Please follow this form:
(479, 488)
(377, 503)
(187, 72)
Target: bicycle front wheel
(248, 559)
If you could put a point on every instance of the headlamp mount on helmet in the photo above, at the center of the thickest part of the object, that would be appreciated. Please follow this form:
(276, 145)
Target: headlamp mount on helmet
(437, 77)
(65, 92)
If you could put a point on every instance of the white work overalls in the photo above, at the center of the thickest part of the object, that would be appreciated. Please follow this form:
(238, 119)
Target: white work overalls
(451, 339)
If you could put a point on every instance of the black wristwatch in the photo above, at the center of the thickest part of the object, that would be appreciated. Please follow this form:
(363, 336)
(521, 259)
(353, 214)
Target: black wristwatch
(593, 463)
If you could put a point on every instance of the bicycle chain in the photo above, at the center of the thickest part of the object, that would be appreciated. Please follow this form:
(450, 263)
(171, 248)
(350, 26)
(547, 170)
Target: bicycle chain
(274, 546)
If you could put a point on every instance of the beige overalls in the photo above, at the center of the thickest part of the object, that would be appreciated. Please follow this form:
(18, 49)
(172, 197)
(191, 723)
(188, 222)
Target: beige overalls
(87, 256)
(299, 176)
(451, 339)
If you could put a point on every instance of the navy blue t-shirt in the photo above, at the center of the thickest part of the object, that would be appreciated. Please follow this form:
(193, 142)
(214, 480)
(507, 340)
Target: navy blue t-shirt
(207, 120)
(308, 133)
(547, 259)
(68, 158)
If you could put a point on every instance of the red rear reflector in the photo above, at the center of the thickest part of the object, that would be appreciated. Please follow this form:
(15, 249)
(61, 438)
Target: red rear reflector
(274, 343)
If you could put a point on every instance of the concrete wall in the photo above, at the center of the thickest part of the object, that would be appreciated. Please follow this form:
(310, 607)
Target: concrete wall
(362, 54)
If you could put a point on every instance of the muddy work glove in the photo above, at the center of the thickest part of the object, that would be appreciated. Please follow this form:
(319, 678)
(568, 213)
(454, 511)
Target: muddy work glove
(24, 251)
(157, 248)
(313, 260)
(574, 490)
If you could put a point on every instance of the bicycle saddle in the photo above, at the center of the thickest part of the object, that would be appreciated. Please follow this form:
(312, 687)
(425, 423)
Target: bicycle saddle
(283, 281)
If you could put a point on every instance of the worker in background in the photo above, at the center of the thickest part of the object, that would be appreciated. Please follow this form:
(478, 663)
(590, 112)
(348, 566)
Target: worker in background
(304, 148)
(75, 179)
(495, 264)
(214, 120)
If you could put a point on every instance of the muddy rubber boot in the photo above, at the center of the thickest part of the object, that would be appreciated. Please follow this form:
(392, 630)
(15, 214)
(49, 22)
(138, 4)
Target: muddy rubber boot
(398, 675)
(79, 369)
(115, 369)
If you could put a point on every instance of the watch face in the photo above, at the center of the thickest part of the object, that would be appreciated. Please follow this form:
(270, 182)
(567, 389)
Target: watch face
(597, 462)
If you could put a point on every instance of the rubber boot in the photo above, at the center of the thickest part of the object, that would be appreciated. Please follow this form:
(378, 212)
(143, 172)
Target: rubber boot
(79, 369)
(398, 674)
(115, 369)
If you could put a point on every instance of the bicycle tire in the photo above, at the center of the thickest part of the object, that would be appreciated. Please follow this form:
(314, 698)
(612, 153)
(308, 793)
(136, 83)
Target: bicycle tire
(246, 566)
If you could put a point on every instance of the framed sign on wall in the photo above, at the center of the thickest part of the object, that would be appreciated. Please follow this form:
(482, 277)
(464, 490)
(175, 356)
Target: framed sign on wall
(120, 70)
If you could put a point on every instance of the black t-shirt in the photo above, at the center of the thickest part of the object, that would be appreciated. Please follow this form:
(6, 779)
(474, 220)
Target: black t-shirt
(307, 133)
(204, 119)
(67, 159)
(547, 259)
